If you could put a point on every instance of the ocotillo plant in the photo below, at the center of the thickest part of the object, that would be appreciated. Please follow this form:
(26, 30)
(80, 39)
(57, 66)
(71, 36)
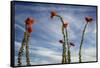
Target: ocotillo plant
(88, 20)
(64, 25)
(28, 30)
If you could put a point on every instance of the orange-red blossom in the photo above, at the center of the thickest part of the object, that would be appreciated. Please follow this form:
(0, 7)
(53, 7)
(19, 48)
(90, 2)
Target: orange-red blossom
(29, 22)
(53, 13)
(88, 19)
(65, 24)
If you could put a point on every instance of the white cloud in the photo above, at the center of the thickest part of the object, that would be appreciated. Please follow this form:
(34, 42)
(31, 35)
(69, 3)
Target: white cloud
(88, 54)
(94, 31)
(20, 27)
(52, 55)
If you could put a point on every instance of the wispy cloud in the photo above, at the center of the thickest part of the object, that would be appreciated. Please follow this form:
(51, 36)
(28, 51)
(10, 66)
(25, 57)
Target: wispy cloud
(20, 27)
(49, 56)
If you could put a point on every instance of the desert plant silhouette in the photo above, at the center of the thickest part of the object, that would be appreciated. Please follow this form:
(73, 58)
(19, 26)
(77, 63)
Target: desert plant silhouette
(88, 20)
(28, 29)
(65, 56)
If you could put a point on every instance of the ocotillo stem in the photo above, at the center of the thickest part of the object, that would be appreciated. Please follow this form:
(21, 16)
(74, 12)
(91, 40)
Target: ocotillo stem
(21, 50)
(80, 49)
(64, 58)
(27, 50)
(69, 60)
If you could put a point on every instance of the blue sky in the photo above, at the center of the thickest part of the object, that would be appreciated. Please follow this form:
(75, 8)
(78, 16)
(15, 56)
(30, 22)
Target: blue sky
(43, 44)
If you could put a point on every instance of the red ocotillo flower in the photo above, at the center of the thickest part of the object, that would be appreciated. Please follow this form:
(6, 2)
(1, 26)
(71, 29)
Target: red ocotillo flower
(88, 19)
(53, 13)
(29, 21)
(65, 24)
(29, 29)
(61, 41)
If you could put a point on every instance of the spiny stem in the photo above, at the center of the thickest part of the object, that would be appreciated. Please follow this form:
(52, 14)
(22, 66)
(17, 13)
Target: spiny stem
(20, 54)
(64, 56)
(21, 50)
(66, 40)
(24, 42)
(64, 60)
(27, 50)
(80, 49)
(69, 60)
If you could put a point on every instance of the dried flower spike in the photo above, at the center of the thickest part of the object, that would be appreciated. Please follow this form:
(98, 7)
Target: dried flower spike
(88, 19)
(60, 41)
(53, 13)
(29, 21)
(72, 44)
